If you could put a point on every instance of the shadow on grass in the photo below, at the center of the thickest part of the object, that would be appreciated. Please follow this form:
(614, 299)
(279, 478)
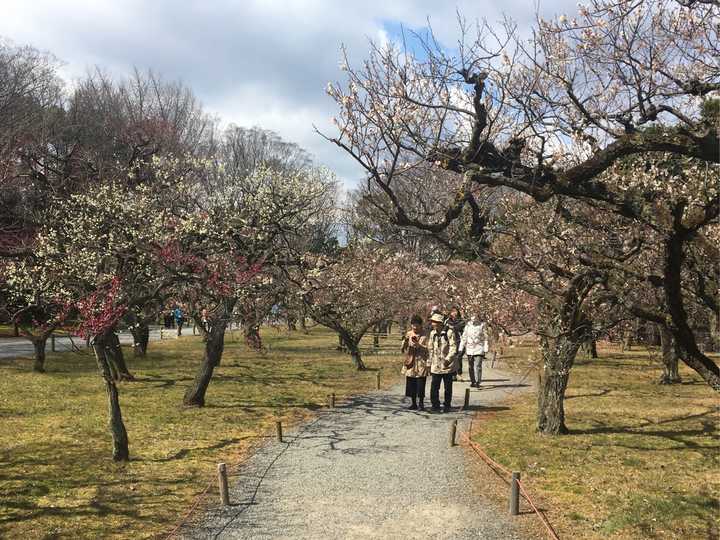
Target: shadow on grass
(483, 408)
(270, 379)
(184, 452)
(248, 405)
(603, 392)
(635, 429)
(496, 386)
(93, 509)
(159, 382)
(708, 429)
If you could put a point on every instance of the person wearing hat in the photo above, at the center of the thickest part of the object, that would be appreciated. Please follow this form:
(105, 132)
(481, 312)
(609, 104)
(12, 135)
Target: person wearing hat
(442, 361)
(456, 322)
(415, 366)
(433, 310)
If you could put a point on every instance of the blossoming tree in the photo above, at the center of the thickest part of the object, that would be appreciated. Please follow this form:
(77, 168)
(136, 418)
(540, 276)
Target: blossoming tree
(233, 231)
(358, 289)
(545, 118)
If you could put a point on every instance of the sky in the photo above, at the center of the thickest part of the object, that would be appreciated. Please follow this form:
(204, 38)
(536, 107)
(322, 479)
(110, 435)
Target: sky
(250, 62)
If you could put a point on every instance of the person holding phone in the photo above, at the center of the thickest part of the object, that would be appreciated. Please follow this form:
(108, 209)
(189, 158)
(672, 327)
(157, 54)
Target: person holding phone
(443, 361)
(415, 367)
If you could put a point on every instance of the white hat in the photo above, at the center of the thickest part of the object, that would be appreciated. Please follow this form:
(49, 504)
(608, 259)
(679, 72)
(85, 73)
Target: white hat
(437, 317)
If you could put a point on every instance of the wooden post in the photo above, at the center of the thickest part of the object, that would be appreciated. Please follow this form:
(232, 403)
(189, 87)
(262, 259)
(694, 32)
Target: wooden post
(223, 484)
(193, 329)
(514, 494)
(467, 398)
(278, 427)
(52, 342)
(453, 431)
(378, 380)
(331, 401)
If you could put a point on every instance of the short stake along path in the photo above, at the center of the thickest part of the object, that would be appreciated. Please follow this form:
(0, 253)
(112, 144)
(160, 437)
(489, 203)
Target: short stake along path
(368, 468)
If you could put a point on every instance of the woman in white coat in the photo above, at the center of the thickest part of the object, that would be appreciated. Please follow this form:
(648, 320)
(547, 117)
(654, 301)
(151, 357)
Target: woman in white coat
(474, 342)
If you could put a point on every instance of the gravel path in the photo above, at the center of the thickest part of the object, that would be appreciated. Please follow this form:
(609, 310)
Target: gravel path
(367, 469)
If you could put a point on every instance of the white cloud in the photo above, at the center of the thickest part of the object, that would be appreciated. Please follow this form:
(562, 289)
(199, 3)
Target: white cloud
(252, 62)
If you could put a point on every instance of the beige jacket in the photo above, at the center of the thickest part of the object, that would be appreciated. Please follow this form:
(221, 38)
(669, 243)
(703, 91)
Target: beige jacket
(474, 339)
(417, 354)
(443, 357)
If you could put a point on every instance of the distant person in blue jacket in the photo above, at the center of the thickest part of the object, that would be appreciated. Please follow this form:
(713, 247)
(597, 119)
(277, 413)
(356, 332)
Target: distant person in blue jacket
(179, 319)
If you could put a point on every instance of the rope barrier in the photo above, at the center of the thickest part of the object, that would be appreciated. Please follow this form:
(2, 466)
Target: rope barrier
(490, 461)
(497, 466)
(213, 480)
(539, 513)
(193, 507)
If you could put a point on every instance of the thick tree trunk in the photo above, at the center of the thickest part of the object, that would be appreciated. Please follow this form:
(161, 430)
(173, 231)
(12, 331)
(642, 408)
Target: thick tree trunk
(558, 357)
(357, 358)
(101, 345)
(341, 343)
(714, 332)
(16, 330)
(117, 358)
(682, 333)
(141, 338)
(590, 347)
(654, 335)
(627, 341)
(39, 344)
(670, 374)
(593, 348)
(214, 346)
(251, 332)
(291, 324)
(352, 344)
(303, 320)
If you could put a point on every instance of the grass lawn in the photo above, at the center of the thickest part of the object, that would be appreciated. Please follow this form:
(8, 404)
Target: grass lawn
(57, 479)
(642, 459)
(7, 330)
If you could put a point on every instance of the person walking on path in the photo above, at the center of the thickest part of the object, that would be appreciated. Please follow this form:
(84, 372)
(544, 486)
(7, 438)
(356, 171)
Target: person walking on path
(456, 322)
(474, 342)
(169, 319)
(415, 366)
(179, 319)
(442, 361)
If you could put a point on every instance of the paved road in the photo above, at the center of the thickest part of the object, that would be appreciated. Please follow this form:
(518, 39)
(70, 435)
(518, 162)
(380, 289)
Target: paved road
(368, 469)
(16, 347)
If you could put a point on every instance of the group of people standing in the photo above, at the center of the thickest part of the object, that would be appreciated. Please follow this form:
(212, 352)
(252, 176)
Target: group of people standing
(174, 318)
(439, 355)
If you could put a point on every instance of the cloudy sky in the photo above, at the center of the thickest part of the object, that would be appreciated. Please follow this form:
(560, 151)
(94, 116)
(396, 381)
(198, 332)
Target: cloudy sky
(251, 62)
